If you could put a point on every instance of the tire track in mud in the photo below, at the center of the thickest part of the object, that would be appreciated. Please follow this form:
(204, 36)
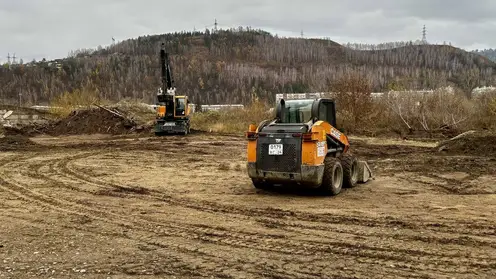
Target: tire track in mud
(150, 237)
(318, 248)
(463, 240)
(347, 246)
(327, 219)
(482, 229)
(97, 269)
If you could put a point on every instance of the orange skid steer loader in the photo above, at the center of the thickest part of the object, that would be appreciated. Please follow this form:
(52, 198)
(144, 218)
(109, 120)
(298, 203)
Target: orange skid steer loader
(302, 146)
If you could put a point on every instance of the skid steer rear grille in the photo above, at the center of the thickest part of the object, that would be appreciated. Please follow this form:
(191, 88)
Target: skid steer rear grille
(289, 161)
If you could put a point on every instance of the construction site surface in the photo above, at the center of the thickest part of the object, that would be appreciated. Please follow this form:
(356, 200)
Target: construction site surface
(102, 199)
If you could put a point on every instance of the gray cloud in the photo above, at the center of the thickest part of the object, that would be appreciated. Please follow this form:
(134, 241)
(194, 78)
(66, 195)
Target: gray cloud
(51, 28)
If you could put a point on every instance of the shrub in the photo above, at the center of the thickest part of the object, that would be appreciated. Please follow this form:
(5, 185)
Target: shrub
(484, 113)
(354, 104)
(429, 112)
(63, 104)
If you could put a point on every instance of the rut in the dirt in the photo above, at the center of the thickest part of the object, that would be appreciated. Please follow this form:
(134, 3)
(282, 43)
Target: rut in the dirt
(220, 227)
(15, 142)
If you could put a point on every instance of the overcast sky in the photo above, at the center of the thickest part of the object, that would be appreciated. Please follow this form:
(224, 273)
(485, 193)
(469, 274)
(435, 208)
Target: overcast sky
(51, 28)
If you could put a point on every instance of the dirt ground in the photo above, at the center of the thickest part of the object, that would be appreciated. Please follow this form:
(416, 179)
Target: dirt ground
(183, 207)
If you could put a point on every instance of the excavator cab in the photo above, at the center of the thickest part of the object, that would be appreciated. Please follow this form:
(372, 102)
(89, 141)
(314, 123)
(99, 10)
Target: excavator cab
(302, 146)
(181, 106)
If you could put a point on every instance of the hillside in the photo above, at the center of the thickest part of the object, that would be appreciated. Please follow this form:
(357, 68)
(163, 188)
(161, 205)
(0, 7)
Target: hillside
(232, 66)
(489, 53)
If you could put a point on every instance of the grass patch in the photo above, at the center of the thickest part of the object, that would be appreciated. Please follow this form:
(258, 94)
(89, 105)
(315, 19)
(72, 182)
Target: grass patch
(233, 120)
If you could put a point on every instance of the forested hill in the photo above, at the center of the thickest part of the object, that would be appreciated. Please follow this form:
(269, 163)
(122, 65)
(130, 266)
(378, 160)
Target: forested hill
(232, 66)
(489, 53)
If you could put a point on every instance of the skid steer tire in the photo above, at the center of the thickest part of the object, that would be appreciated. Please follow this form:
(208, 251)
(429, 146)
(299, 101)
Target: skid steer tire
(332, 181)
(350, 170)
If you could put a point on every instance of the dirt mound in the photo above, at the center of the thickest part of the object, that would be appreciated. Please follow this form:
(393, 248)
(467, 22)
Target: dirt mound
(471, 144)
(90, 121)
(94, 121)
(15, 142)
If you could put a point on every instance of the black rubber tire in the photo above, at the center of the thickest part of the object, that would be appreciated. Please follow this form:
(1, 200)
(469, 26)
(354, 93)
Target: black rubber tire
(350, 170)
(332, 181)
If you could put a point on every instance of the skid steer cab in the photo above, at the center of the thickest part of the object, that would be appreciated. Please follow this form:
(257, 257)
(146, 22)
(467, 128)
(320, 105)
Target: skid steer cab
(303, 147)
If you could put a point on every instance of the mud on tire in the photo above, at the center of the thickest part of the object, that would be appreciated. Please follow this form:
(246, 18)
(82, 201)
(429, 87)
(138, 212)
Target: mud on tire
(332, 181)
(350, 170)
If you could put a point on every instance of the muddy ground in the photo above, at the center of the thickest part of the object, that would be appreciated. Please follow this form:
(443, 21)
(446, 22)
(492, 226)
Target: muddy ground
(183, 207)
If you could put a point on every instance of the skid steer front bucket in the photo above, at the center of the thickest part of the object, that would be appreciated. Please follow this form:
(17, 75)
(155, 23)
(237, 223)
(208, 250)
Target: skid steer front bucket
(364, 172)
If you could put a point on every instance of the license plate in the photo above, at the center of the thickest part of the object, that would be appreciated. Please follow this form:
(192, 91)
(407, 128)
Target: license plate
(170, 124)
(275, 149)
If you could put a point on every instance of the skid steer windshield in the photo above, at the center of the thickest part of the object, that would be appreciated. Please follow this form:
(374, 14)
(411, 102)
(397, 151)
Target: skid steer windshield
(298, 111)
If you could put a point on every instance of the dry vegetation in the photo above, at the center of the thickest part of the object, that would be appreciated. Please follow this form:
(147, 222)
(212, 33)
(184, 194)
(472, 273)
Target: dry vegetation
(62, 105)
(407, 114)
(232, 121)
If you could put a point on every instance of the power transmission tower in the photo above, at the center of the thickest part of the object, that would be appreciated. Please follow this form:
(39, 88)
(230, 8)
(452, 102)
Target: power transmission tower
(215, 24)
(302, 33)
(424, 35)
(13, 59)
(8, 58)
